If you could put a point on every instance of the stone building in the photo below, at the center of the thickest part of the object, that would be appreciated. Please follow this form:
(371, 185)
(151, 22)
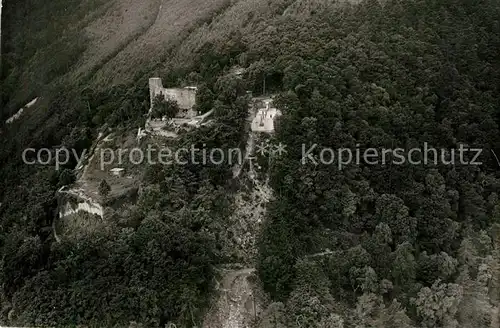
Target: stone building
(185, 97)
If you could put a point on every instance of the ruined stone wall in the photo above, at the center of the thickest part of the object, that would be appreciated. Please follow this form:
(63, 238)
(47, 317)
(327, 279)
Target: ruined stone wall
(185, 97)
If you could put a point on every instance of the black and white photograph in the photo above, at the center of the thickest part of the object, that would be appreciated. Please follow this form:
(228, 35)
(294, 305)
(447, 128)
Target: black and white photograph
(250, 163)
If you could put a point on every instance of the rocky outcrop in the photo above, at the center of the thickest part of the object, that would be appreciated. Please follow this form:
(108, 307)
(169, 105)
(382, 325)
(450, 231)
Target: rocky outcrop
(20, 111)
(72, 201)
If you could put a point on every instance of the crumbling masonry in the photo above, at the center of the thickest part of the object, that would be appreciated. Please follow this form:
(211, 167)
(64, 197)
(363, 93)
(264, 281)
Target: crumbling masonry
(185, 97)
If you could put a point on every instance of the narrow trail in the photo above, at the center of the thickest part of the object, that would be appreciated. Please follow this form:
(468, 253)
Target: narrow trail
(236, 306)
(249, 148)
(239, 302)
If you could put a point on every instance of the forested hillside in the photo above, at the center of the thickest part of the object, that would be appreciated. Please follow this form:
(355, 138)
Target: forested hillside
(412, 245)
(363, 246)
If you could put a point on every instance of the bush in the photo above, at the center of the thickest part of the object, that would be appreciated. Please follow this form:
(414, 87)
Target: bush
(164, 107)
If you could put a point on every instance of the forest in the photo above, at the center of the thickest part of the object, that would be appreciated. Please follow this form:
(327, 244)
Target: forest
(401, 246)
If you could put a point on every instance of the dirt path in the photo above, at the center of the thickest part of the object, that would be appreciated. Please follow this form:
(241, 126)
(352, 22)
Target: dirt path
(240, 300)
(249, 148)
(236, 306)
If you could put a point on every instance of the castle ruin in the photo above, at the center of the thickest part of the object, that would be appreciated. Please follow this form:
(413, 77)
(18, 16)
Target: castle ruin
(185, 97)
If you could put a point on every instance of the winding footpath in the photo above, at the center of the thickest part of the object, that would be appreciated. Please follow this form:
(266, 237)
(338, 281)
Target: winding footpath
(238, 304)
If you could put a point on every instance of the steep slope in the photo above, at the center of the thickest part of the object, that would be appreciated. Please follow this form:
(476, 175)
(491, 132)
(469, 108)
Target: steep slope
(122, 23)
(173, 21)
(109, 42)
